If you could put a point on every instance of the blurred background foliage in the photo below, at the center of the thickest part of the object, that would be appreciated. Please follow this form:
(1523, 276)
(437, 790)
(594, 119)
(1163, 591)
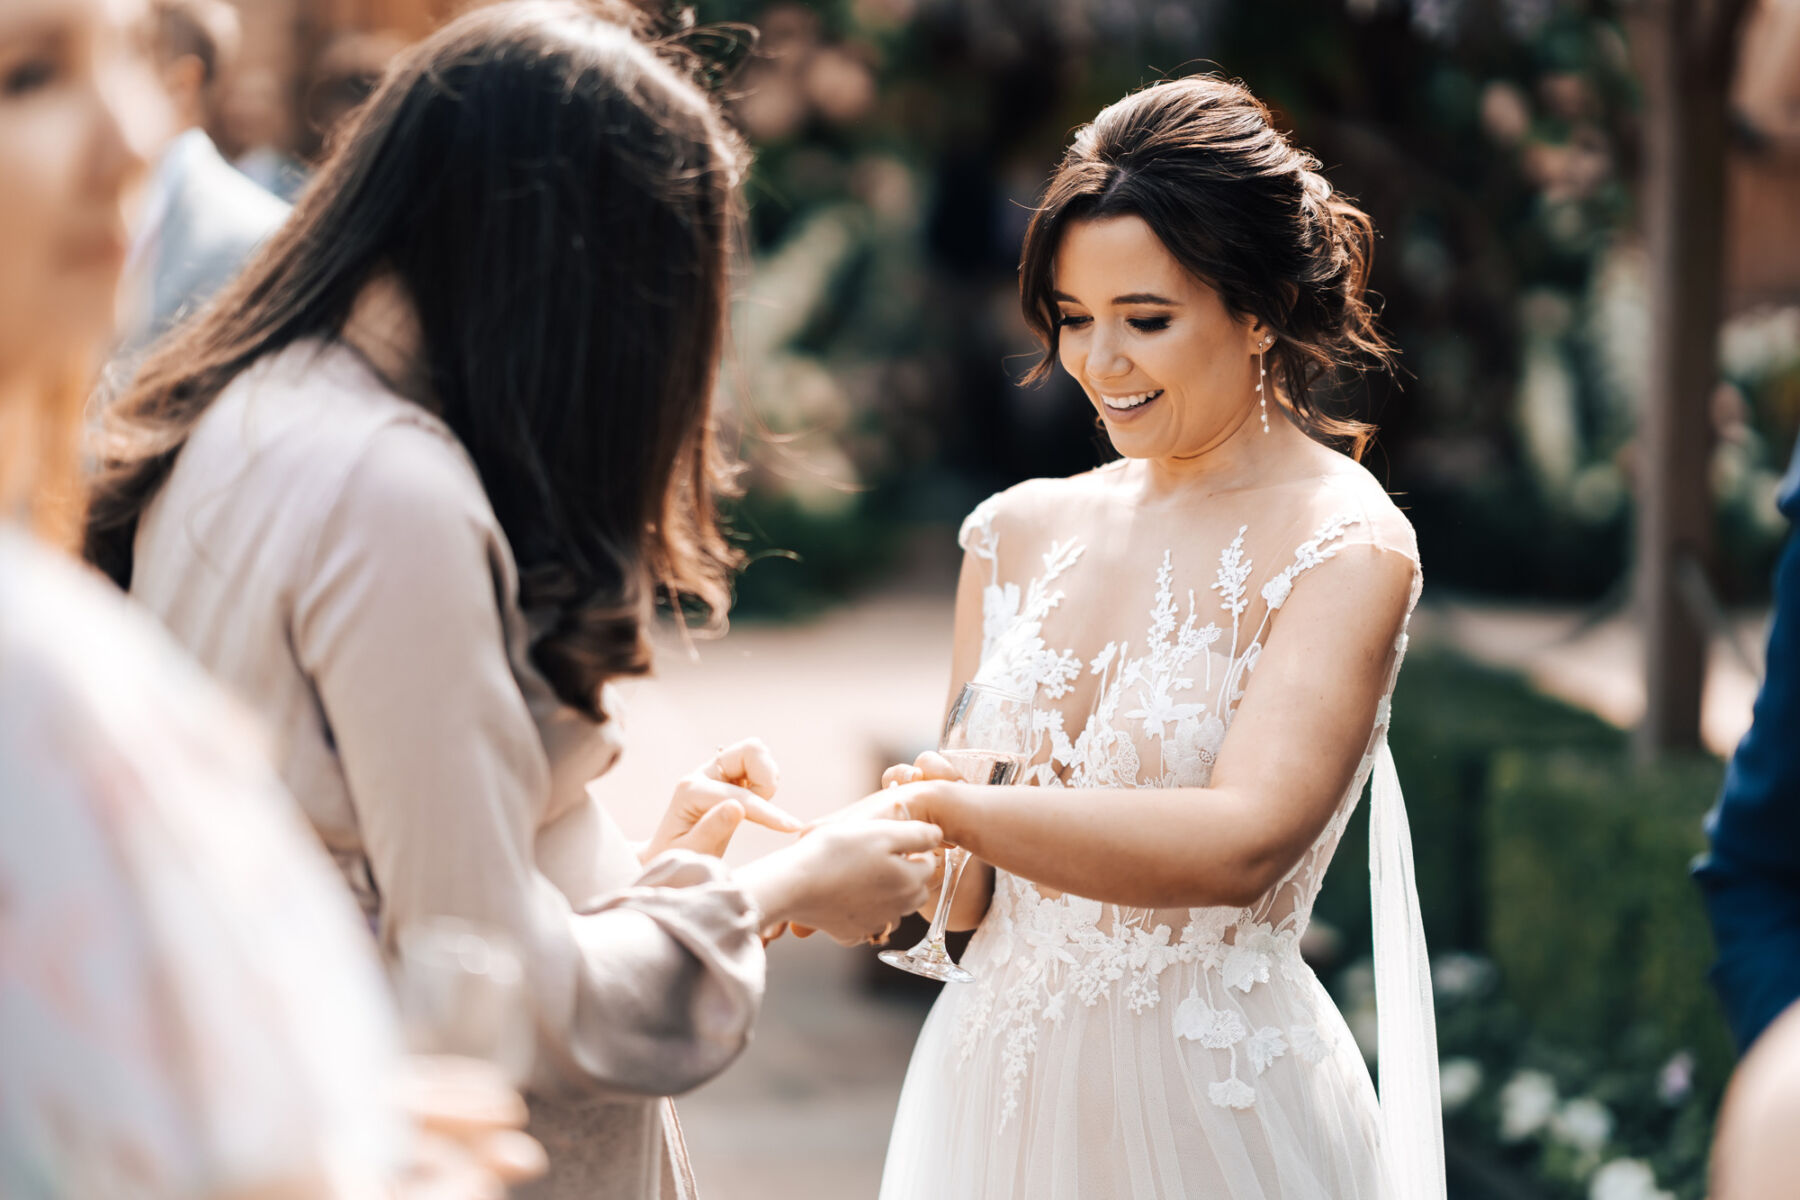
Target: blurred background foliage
(1575, 1024)
(901, 144)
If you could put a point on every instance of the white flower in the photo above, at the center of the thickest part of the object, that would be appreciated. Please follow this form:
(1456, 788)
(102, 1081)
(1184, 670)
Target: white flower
(1459, 1079)
(1310, 1043)
(1232, 1093)
(1213, 1028)
(999, 610)
(1527, 1103)
(1161, 709)
(1676, 1079)
(1245, 966)
(1266, 1045)
(1104, 659)
(1583, 1124)
(1276, 591)
(1626, 1179)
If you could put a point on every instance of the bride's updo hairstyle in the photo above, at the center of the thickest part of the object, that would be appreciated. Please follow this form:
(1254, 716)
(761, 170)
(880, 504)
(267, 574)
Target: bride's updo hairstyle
(1247, 214)
(559, 200)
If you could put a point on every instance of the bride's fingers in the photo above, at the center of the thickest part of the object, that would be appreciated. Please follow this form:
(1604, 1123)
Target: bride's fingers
(899, 774)
(932, 765)
(749, 764)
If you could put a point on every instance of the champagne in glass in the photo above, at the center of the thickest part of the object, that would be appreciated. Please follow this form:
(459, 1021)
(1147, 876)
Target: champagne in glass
(461, 992)
(987, 739)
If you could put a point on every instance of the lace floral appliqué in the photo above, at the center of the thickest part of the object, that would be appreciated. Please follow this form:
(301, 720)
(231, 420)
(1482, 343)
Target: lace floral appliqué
(1159, 717)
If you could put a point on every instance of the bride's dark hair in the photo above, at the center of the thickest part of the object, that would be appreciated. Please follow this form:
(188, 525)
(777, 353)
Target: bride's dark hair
(1200, 162)
(560, 202)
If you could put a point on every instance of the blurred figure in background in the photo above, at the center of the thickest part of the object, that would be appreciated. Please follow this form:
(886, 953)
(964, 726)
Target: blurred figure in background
(411, 488)
(188, 1006)
(254, 127)
(202, 216)
(345, 75)
(1751, 874)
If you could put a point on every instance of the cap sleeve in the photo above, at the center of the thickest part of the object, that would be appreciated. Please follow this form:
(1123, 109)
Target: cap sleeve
(977, 535)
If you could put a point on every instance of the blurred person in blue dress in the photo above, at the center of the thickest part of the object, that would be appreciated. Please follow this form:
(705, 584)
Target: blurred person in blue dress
(1751, 873)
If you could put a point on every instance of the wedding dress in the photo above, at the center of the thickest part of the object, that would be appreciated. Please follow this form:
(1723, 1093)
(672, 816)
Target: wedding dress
(1107, 1052)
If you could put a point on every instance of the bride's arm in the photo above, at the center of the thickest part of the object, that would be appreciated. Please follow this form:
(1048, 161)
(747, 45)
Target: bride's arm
(1293, 747)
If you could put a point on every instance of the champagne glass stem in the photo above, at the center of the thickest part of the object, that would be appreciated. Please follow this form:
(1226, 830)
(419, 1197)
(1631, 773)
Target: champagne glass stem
(955, 859)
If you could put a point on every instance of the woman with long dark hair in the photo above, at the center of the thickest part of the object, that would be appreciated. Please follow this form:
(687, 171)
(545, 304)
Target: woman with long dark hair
(1211, 626)
(411, 486)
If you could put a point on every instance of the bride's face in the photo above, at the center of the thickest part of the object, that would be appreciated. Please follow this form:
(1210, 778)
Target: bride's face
(1169, 370)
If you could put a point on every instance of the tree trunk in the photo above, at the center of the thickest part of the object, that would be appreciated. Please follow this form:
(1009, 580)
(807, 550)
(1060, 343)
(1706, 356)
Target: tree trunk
(1688, 51)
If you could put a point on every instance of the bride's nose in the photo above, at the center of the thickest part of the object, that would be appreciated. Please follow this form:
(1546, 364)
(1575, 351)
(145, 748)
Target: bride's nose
(1107, 360)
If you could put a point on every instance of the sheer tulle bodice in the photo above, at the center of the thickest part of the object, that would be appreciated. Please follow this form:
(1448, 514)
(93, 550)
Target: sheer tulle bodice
(1107, 1050)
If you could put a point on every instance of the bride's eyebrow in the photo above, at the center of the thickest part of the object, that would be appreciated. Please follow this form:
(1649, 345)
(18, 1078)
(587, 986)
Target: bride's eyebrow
(1127, 298)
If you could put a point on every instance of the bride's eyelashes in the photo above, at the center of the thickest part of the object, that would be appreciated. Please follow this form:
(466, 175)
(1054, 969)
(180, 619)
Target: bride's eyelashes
(1141, 324)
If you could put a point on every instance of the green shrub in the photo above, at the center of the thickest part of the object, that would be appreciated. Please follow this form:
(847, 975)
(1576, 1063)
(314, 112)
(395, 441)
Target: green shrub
(1598, 932)
(799, 562)
(1451, 718)
(1541, 849)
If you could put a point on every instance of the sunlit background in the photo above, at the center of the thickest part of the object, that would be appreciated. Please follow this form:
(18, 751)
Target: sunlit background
(1553, 248)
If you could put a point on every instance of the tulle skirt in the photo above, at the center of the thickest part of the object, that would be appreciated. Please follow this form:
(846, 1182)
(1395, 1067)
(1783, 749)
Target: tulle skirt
(1180, 1083)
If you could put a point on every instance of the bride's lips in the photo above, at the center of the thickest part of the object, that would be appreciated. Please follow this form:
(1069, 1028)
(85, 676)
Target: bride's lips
(1124, 405)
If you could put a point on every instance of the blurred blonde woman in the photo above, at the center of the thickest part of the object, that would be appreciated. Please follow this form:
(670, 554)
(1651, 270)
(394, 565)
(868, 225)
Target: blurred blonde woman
(188, 1007)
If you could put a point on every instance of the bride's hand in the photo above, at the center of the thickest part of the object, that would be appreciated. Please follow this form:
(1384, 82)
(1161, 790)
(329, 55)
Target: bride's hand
(852, 879)
(899, 799)
(929, 765)
(896, 801)
(711, 801)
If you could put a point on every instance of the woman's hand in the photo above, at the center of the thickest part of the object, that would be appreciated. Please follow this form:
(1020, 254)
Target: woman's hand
(711, 802)
(854, 879)
(906, 793)
(471, 1126)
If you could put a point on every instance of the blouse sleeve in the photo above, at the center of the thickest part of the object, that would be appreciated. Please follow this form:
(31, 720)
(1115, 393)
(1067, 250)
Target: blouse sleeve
(400, 626)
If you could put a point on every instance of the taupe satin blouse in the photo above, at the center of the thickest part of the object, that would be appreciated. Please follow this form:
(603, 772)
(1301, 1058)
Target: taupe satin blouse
(324, 546)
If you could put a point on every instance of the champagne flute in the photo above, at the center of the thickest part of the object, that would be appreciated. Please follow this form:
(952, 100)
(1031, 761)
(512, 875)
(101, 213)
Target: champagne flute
(461, 991)
(987, 738)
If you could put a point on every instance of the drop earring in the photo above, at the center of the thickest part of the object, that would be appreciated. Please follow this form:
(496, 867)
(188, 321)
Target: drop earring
(1262, 381)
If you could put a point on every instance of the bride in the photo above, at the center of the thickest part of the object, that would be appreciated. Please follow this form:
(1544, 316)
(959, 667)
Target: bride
(1211, 627)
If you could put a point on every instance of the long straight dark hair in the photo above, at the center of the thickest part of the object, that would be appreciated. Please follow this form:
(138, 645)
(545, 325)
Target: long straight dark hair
(560, 202)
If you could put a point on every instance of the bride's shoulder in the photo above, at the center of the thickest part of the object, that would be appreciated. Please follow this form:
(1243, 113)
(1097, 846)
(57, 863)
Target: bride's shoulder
(1347, 497)
(1032, 506)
